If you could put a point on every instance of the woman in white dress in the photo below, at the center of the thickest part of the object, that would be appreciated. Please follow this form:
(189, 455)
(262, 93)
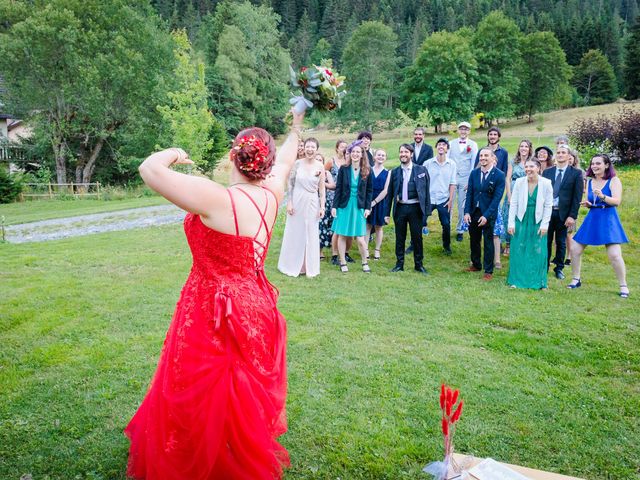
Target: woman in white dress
(305, 206)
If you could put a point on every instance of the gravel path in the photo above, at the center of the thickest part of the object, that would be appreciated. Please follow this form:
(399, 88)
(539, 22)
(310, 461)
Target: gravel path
(96, 223)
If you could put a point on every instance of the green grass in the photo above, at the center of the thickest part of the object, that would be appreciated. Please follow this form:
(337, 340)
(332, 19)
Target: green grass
(32, 211)
(550, 379)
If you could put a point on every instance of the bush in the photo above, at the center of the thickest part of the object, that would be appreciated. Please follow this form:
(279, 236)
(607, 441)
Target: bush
(10, 187)
(626, 137)
(618, 135)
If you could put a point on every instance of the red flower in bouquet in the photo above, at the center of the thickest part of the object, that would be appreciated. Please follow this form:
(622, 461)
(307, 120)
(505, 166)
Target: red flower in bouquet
(319, 87)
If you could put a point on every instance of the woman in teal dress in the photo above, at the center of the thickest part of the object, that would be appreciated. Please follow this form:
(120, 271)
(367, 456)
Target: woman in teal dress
(529, 215)
(515, 170)
(352, 204)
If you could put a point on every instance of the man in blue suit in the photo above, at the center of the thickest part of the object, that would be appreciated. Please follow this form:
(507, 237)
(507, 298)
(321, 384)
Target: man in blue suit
(484, 192)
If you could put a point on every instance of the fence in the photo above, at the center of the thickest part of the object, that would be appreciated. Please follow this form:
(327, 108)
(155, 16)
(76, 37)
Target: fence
(50, 190)
(12, 153)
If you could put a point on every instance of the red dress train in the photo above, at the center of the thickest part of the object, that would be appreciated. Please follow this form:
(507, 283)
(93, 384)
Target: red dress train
(216, 403)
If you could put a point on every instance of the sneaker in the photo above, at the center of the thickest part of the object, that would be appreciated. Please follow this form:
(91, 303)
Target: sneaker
(334, 260)
(348, 258)
(459, 237)
(487, 276)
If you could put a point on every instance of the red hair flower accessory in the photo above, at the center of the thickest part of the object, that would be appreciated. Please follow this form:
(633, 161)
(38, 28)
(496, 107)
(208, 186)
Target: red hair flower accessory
(258, 156)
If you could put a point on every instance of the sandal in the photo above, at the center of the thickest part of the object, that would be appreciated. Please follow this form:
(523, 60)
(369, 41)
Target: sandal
(497, 266)
(365, 267)
(624, 294)
(572, 285)
(507, 251)
(344, 268)
(376, 254)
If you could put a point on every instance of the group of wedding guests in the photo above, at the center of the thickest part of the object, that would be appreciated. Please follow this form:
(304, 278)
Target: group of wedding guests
(520, 207)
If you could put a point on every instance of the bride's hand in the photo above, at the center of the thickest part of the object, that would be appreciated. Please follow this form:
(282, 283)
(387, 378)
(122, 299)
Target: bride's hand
(182, 157)
(297, 118)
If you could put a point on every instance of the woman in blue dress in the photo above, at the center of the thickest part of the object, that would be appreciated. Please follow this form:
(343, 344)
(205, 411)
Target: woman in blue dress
(381, 179)
(602, 225)
(352, 204)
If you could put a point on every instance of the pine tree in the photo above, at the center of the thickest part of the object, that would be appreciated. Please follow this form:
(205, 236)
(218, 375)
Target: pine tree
(632, 66)
(302, 43)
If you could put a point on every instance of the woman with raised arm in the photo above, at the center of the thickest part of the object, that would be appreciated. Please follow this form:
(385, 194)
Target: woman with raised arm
(300, 251)
(602, 225)
(215, 406)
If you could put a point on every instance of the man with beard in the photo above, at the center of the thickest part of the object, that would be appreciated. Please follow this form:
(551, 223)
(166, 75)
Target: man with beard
(421, 151)
(493, 142)
(409, 195)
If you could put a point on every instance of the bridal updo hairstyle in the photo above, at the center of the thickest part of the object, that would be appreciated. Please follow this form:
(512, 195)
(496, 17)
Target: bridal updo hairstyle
(253, 153)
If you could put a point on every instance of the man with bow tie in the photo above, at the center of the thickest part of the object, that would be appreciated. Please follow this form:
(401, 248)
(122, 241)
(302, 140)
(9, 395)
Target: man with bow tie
(484, 192)
(409, 195)
(463, 152)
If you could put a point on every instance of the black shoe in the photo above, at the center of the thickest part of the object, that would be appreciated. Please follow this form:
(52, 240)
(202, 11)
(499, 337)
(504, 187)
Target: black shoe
(348, 258)
(567, 262)
(447, 252)
(409, 250)
(559, 275)
(334, 260)
(421, 270)
(397, 268)
(459, 237)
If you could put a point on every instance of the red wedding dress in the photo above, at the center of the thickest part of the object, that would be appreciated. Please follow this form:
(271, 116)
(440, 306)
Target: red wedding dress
(216, 402)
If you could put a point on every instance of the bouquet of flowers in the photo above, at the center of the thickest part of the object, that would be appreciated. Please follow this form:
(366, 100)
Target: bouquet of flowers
(450, 415)
(318, 86)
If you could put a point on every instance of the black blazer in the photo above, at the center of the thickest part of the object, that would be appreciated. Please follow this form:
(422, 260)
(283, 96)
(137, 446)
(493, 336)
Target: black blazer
(426, 152)
(420, 176)
(488, 194)
(570, 191)
(343, 189)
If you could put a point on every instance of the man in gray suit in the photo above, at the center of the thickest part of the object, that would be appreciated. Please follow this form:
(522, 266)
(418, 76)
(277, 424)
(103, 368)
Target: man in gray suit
(463, 152)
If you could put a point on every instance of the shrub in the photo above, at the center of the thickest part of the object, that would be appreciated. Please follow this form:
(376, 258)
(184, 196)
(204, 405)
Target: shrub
(10, 187)
(626, 136)
(618, 135)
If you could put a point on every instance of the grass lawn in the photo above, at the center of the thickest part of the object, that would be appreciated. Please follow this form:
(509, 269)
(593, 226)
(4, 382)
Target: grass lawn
(32, 211)
(551, 379)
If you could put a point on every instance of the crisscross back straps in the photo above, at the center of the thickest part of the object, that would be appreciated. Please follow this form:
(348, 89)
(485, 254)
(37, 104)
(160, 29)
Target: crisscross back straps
(260, 248)
(233, 207)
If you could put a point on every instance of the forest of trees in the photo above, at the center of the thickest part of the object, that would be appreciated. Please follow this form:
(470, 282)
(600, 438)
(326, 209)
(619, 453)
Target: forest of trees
(109, 80)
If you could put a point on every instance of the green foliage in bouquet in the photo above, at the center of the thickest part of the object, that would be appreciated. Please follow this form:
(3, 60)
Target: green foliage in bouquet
(320, 86)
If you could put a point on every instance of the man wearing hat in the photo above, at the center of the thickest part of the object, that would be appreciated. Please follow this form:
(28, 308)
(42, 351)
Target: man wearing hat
(463, 152)
(442, 186)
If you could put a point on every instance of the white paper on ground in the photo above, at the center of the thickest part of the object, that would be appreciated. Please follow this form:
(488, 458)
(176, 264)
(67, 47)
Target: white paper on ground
(489, 469)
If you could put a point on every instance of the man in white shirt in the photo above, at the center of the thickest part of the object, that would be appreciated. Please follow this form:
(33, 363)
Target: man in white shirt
(443, 180)
(463, 152)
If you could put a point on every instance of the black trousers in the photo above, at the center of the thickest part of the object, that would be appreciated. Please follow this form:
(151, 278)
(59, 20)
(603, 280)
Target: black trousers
(476, 235)
(408, 215)
(558, 230)
(444, 215)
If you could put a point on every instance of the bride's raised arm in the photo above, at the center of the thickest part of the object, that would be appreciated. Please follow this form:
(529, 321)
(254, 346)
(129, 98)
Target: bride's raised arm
(285, 158)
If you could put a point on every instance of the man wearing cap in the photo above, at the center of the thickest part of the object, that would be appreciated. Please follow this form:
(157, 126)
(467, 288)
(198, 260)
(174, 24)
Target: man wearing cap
(409, 195)
(493, 142)
(463, 152)
(442, 186)
(421, 151)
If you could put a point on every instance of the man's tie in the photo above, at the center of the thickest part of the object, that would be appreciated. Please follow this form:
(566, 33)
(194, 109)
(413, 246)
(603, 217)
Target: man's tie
(484, 177)
(556, 186)
(405, 184)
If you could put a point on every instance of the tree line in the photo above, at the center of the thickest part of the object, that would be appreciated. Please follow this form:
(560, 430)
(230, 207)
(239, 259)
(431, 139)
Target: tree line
(103, 83)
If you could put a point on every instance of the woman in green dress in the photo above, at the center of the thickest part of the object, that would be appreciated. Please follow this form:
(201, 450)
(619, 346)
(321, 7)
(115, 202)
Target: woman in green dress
(529, 215)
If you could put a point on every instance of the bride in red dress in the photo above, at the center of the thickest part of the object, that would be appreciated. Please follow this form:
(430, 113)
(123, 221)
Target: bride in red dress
(216, 404)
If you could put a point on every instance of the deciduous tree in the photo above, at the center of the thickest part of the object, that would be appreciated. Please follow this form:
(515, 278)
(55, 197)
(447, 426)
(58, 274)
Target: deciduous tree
(594, 79)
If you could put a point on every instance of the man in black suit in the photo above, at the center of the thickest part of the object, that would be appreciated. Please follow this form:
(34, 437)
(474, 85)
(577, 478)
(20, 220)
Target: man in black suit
(484, 192)
(421, 151)
(409, 195)
(567, 193)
